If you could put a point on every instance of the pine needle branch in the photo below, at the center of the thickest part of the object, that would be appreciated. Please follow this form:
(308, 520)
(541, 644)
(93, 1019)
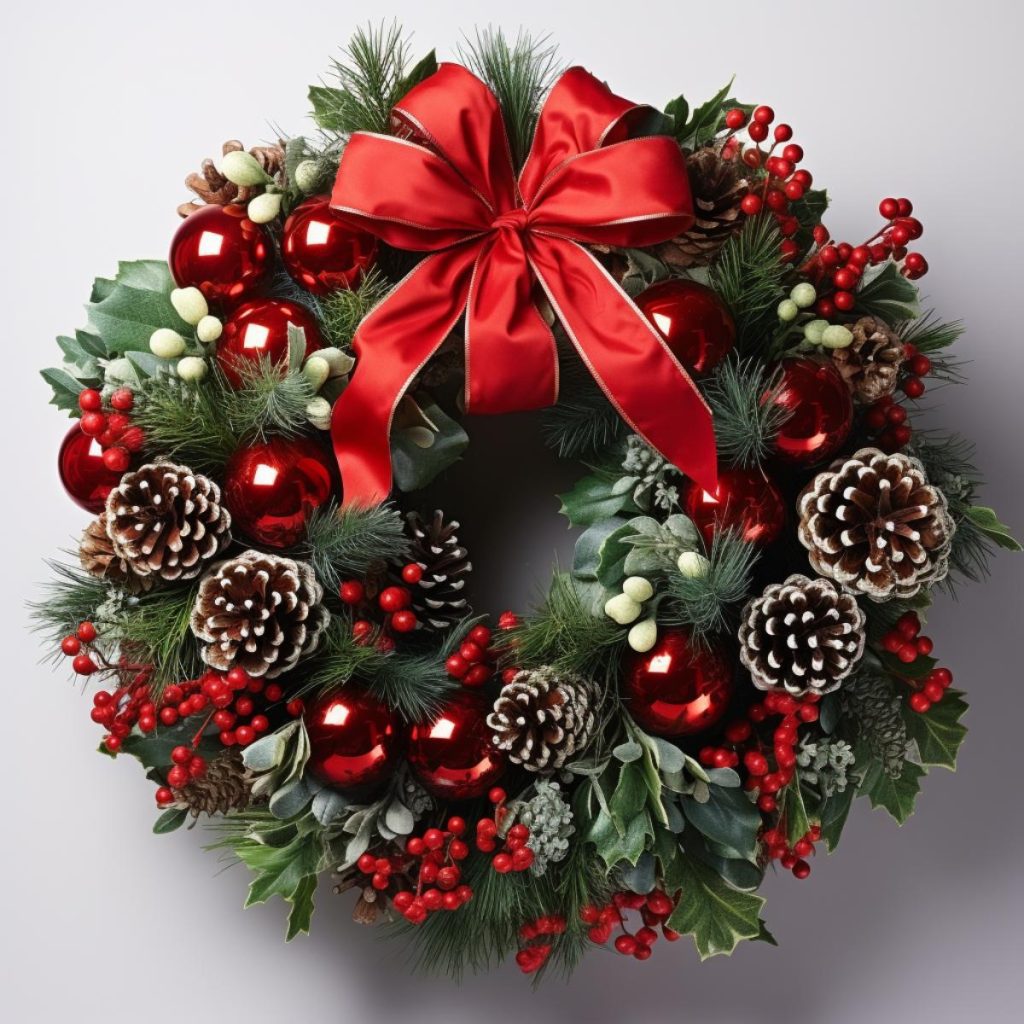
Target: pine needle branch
(156, 630)
(519, 74)
(584, 421)
(341, 312)
(71, 596)
(270, 400)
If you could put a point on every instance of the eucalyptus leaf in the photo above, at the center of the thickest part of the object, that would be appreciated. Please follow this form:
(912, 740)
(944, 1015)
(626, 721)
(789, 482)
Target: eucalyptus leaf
(290, 799)
(986, 520)
(627, 752)
(399, 818)
(327, 805)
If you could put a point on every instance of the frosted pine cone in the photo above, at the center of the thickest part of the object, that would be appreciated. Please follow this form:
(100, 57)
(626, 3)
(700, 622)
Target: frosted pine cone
(544, 717)
(166, 520)
(439, 599)
(803, 635)
(259, 611)
(871, 363)
(874, 524)
(98, 558)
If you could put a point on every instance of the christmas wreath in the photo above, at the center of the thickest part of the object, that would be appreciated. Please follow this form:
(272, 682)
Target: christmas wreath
(286, 640)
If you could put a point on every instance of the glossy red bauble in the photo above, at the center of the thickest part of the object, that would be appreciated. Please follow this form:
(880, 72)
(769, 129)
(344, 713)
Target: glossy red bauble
(453, 755)
(677, 688)
(259, 329)
(322, 251)
(695, 323)
(745, 500)
(821, 412)
(82, 471)
(271, 488)
(354, 739)
(221, 252)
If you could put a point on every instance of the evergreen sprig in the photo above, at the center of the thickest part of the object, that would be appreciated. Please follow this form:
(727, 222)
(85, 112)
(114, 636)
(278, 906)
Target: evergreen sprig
(583, 422)
(155, 630)
(70, 597)
(341, 312)
(708, 603)
(747, 418)
(519, 73)
(270, 400)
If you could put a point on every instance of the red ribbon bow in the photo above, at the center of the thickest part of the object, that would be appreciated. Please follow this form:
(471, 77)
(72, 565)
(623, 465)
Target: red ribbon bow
(491, 238)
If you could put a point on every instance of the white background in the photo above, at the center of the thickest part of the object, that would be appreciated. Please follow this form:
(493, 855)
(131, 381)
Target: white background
(106, 107)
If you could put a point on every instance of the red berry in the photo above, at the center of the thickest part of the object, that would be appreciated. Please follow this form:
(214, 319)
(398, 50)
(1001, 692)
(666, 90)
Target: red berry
(122, 399)
(793, 153)
(920, 366)
(764, 115)
(90, 400)
(456, 666)
(478, 675)
(933, 691)
(919, 702)
(766, 803)
(904, 207)
(93, 423)
(789, 250)
(755, 763)
(805, 178)
(86, 632)
(352, 591)
(168, 716)
(783, 133)
(245, 734)
(751, 204)
(412, 573)
(497, 795)
(508, 620)
(393, 599)
(177, 777)
(794, 190)
(758, 132)
(164, 796)
(84, 665)
(801, 869)
(433, 839)
(913, 387)
(181, 755)
(404, 622)
(845, 278)
(626, 945)
(481, 636)
(735, 119)
(502, 863)
(889, 208)
(70, 645)
(844, 300)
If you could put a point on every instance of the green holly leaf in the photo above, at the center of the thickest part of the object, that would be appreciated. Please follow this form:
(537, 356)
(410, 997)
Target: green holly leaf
(919, 668)
(629, 798)
(302, 907)
(938, 731)
(595, 498)
(126, 311)
(613, 847)
(597, 550)
(330, 107)
(727, 818)
(986, 520)
(833, 814)
(697, 129)
(716, 915)
(795, 812)
(173, 818)
(153, 749)
(884, 292)
(895, 795)
(66, 389)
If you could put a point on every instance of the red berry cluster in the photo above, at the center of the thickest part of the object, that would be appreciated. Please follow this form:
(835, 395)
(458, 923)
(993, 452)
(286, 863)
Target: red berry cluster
(516, 855)
(743, 744)
(655, 909)
(905, 641)
(473, 664)
(114, 430)
(186, 765)
(535, 953)
(392, 602)
(888, 420)
(840, 265)
(783, 183)
(438, 877)
(77, 645)
(792, 858)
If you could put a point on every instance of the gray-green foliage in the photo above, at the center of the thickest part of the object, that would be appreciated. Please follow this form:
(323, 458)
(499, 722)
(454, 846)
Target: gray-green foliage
(548, 816)
(871, 701)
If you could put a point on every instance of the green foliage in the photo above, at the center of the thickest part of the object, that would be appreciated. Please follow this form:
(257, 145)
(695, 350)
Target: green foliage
(747, 418)
(708, 603)
(347, 542)
(341, 312)
(938, 732)
(415, 465)
(987, 523)
(598, 496)
(894, 794)
(372, 75)
(519, 73)
(884, 292)
(699, 127)
(931, 335)
(584, 422)
(748, 276)
(71, 596)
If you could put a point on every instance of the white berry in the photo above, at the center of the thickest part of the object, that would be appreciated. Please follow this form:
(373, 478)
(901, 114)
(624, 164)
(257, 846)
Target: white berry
(643, 636)
(814, 330)
(189, 304)
(623, 609)
(209, 329)
(243, 169)
(318, 412)
(804, 294)
(836, 336)
(166, 344)
(264, 208)
(192, 368)
(316, 370)
(787, 310)
(692, 564)
(638, 588)
(307, 176)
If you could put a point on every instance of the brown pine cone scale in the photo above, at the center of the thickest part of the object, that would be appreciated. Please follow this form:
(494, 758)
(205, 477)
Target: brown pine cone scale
(439, 599)
(98, 558)
(224, 786)
(871, 363)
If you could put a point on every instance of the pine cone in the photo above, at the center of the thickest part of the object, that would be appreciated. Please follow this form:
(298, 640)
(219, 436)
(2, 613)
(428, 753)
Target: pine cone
(223, 787)
(873, 523)
(215, 190)
(803, 635)
(167, 520)
(259, 611)
(873, 702)
(718, 188)
(438, 599)
(871, 363)
(543, 717)
(98, 558)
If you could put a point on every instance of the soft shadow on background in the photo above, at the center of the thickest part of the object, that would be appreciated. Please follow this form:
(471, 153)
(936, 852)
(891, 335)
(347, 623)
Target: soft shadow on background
(106, 107)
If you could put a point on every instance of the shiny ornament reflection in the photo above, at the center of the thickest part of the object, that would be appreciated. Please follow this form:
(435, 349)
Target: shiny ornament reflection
(453, 755)
(820, 408)
(677, 688)
(693, 320)
(82, 472)
(221, 252)
(271, 489)
(259, 330)
(354, 739)
(321, 251)
(744, 500)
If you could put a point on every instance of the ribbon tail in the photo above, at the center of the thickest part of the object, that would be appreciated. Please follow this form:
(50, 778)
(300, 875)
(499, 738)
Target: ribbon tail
(628, 358)
(392, 345)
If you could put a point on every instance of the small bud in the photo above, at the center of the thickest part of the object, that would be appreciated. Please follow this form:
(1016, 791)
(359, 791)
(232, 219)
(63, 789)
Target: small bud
(623, 609)
(638, 588)
(643, 636)
(264, 208)
(316, 370)
(307, 176)
(836, 336)
(189, 304)
(692, 564)
(243, 169)
(339, 362)
(804, 294)
(209, 329)
(166, 344)
(814, 330)
(787, 310)
(192, 368)
(318, 412)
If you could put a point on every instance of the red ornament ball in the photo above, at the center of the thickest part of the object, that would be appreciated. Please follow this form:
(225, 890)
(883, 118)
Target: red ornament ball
(677, 688)
(221, 252)
(695, 323)
(453, 755)
(83, 472)
(271, 488)
(745, 500)
(322, 251)
(354, 739)
(821, 412)
(259, 329)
